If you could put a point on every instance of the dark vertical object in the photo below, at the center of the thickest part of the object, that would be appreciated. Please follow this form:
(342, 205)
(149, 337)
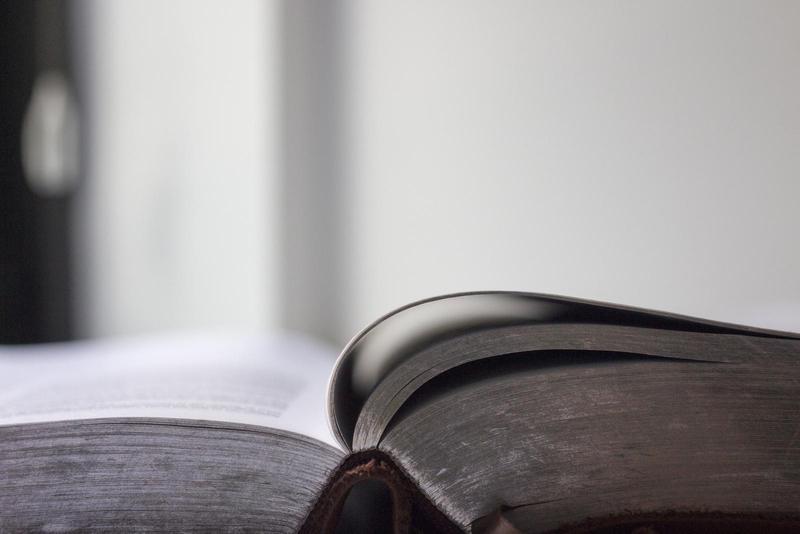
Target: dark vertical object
(314, 181)
(34, 228)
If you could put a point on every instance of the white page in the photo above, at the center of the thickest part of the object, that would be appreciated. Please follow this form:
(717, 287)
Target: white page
(277, 382)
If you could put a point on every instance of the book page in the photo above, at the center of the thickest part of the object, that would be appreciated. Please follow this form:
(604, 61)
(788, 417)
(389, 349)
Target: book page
(276, 382)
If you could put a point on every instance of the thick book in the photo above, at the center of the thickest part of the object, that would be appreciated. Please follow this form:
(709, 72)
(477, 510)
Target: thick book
(478, 412)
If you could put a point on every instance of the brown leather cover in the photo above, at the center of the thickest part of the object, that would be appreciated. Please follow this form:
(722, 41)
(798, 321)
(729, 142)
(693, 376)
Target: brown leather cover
(412, 512)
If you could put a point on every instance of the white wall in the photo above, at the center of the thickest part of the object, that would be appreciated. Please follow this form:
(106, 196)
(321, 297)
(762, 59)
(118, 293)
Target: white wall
(380, 152)
(178, 215)
(640, 152)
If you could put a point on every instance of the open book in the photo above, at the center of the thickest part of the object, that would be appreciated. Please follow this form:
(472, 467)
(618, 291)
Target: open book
(483, 412)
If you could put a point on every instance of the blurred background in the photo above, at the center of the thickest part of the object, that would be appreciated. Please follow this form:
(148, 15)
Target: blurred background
(309, 166)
